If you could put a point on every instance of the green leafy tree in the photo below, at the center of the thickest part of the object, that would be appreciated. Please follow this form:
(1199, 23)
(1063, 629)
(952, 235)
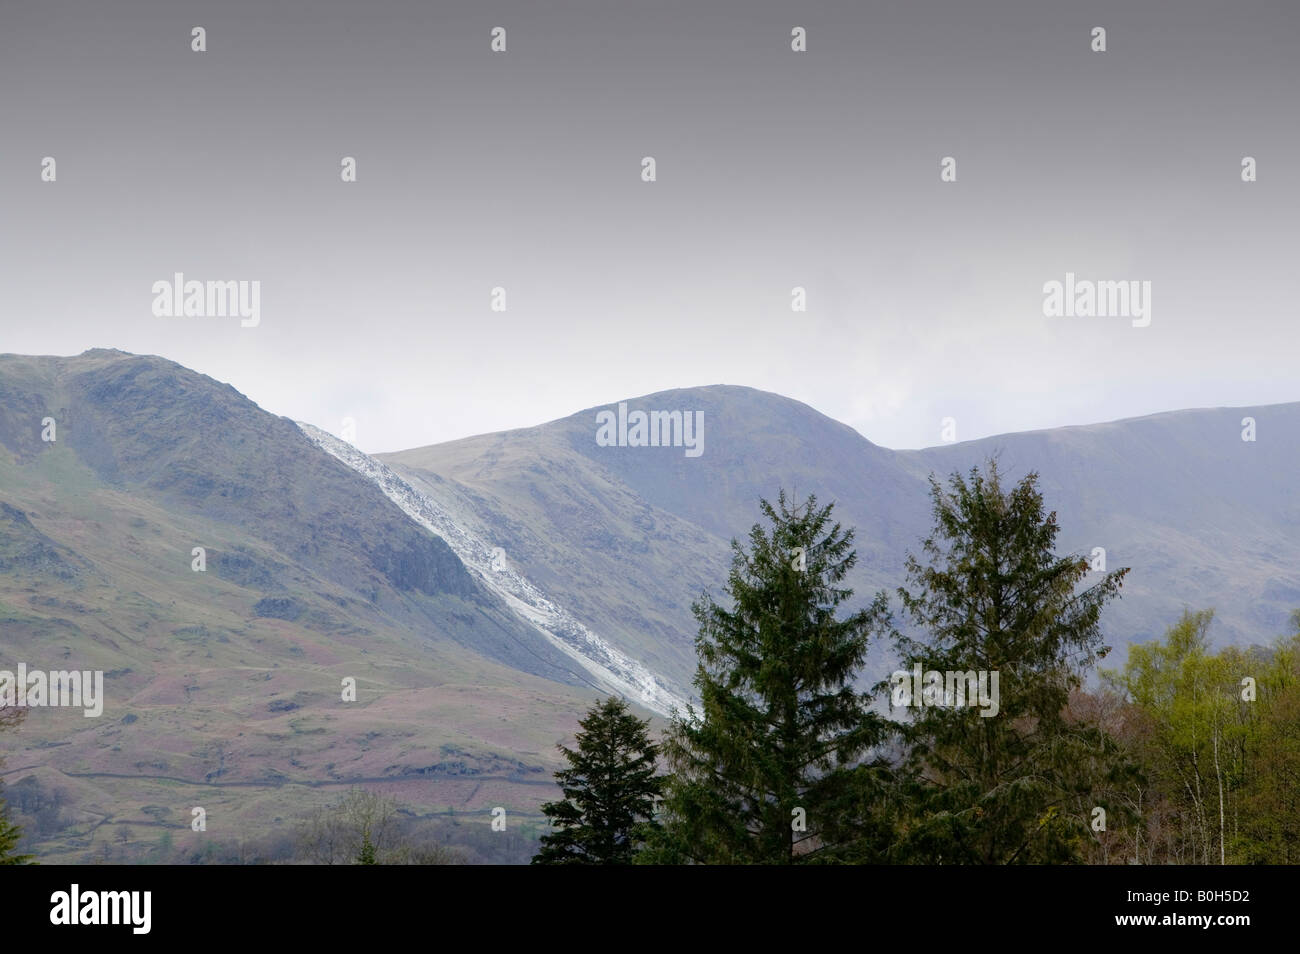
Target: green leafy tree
(1173, 682)
(1219, 744)
(610, 788)
(771, 769)
(1015, 785)
(1270, 826)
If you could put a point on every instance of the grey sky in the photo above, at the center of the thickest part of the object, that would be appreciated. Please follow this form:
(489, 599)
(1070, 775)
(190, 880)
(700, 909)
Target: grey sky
(775, 169)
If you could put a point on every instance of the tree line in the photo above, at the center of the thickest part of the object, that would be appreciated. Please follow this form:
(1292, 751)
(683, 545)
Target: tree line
(1184, 756)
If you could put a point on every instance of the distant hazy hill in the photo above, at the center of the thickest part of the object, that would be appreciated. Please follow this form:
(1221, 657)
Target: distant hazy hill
(627, 536)
(1204, 518)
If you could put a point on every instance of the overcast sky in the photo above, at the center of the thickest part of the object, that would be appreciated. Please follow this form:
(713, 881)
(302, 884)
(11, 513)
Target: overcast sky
(775, 169)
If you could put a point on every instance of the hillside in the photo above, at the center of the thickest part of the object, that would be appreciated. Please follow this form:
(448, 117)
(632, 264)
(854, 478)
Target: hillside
(629, 535)
(223, 686)
(483, 591)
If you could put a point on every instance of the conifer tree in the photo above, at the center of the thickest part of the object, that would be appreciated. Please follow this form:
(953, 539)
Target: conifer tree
(609, 786)
(10, 834)
(770, 770)
(1015, 786)
(366, 854)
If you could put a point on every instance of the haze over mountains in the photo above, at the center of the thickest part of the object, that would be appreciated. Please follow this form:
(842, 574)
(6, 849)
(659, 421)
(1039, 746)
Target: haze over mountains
(322, 563)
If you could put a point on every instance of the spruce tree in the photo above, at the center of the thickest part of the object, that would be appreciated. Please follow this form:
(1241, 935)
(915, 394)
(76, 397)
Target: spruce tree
(1017, 786)
(366, 854)
(9, 837)
(770, 770)
(609, 786)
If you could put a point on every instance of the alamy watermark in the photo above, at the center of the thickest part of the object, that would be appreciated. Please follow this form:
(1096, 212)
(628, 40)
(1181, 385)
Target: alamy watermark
(194, 299)
(951, 689)
(71, 689)
(75, 906)
(651, 429)
(1082, 298)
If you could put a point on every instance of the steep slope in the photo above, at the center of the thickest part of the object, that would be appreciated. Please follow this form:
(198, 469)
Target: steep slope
(614, 671)
(223, 686)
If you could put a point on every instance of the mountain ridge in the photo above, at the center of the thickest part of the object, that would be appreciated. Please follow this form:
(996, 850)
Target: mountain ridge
(374, 567)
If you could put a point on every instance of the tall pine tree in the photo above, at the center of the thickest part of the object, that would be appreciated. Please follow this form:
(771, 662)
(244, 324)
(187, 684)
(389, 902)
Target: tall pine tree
(769, 771)
(610, 787)
(1017, 786)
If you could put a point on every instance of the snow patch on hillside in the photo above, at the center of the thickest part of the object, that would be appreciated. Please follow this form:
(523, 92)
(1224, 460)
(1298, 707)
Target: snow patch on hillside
(614, 670)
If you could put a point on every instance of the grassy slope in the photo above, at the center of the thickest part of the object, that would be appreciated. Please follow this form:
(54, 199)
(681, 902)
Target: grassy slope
(209, 704)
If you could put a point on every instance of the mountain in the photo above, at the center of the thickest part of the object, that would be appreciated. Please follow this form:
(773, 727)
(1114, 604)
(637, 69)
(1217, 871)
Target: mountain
(1203, 517)
(223, 685)
(613, 671)
(627, 535)
(482, 592)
